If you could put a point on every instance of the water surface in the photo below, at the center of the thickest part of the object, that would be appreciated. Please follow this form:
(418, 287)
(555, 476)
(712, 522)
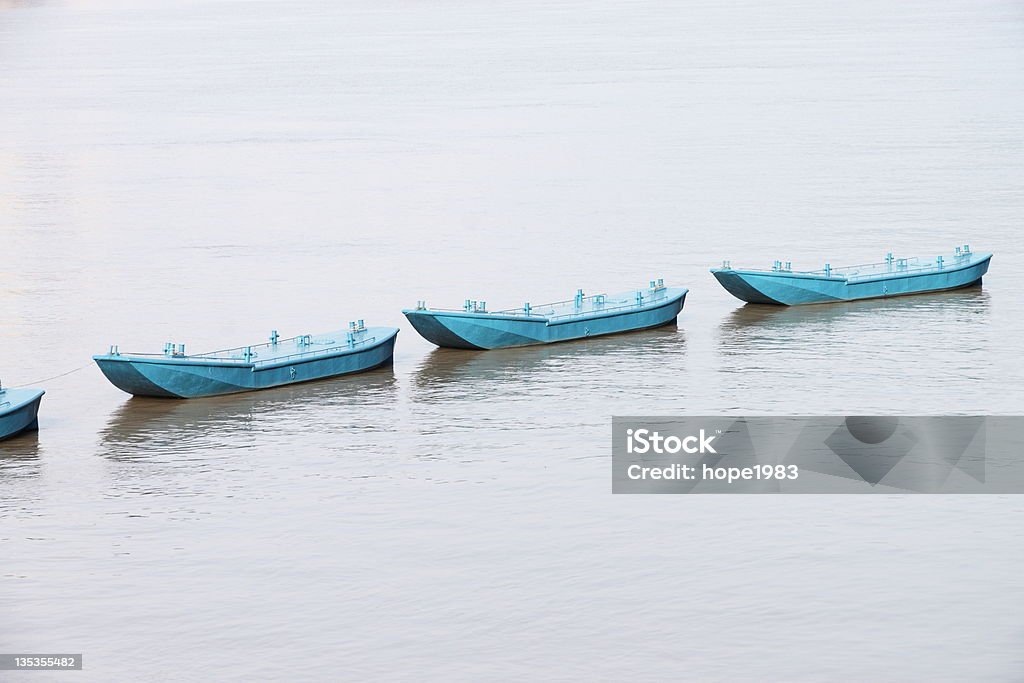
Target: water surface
(206, 172)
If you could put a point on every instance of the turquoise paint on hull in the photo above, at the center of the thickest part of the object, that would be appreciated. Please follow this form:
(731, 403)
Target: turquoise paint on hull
(476, 328)
(279, 363)
(893, 277)
(19, 411)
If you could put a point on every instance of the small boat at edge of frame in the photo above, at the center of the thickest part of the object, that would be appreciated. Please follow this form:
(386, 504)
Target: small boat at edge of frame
(19, 411)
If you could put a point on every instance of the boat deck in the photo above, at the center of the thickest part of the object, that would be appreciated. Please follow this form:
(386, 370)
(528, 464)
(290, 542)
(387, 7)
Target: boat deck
(12, 399)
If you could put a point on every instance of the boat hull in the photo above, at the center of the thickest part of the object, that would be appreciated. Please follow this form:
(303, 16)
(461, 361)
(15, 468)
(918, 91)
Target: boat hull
(171, 378)
(794, 289)
(19, 412)
(494, 331)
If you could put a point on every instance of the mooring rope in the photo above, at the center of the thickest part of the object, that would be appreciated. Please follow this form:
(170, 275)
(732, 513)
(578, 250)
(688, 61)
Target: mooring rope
(48, 379)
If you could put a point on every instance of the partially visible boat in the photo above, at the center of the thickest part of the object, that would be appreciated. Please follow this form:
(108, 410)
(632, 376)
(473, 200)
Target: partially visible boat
(891, 277)
(19, 411)
(474, 327)
(176, 374)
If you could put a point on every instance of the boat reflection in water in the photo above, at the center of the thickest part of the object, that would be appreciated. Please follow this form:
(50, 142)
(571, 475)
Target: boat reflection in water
(19, 458)
(857, 355)
(595, 365)
(145, 428)
(766, 321)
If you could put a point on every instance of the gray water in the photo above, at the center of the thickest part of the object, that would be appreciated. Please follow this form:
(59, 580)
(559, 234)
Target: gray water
(205, 172)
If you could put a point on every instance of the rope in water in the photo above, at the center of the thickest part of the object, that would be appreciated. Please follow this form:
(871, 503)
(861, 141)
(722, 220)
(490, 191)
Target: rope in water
(48, 379)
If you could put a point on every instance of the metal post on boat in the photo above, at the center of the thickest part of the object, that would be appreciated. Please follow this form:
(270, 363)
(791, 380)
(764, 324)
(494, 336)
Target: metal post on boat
(248, 354)
(888, 260)
(114, 351)
(274, 337)
(169, 349)
(350, 338)
(362, 325)
(483, 306)
(777, 265)
(526, 308)
(421, 305)
(653, 285)
(959, 252)
(579, 298)
(466, 306)
(938, 262)
(789, 265)
(828, 270)
(639, 297)
(661, 283)
(967, 250)
(181, 349)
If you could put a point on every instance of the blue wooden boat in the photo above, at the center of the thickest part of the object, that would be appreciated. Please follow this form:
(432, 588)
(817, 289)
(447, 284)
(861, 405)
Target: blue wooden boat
(175, 374)
(19, 410)
(474, 327)
(892, 277)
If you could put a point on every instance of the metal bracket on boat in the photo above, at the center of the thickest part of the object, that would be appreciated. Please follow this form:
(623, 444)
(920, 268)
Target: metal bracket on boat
(727, 265)
(114, 351)
(305, 340)
(967, 250)
(421, 305)
(901, 264)
(274, 336)
(579, 298)
(526, 308)
(888, 260)
(938, 262)
(599, 300)
(475, 306)
(658, 285)
(170, 350)
(776, 266)
(639, 296)
(247, 354)
(828, 270)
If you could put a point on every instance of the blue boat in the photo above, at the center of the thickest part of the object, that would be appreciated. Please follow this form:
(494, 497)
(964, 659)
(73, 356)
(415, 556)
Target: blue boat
(892, 277)
(175, 374)
(474, 327)
(19, 410)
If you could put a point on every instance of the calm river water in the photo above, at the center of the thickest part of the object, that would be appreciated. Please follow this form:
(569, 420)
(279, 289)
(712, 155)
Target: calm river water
(205, 172)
